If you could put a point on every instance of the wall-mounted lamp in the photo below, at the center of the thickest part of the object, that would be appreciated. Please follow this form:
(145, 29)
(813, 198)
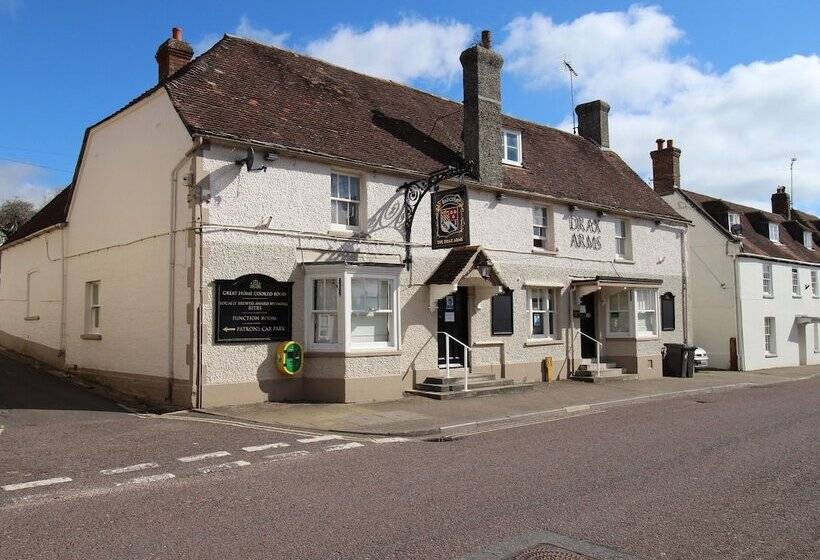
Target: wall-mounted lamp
(572, 207)
(271, 156)
(657, 222)
(601, 213)
(499, 195)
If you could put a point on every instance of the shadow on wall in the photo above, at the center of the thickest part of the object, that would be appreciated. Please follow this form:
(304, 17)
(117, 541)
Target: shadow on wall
(389, 216)
(428, 347)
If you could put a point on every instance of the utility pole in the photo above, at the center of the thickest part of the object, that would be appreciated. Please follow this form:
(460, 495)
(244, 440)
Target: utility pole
(791, 186)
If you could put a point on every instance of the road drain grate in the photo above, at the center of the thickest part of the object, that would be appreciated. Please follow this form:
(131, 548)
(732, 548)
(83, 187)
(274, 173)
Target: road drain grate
(548, 552)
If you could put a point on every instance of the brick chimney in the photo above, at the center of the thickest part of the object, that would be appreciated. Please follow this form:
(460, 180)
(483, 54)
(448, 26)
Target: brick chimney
(593, 122)
(173, 54)
(665, 168)
(780, 202)
(482, 109)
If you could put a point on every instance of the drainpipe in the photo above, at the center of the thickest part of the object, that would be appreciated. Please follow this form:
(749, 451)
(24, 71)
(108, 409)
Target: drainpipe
(684, 285)
(741, 354)
(172, 238)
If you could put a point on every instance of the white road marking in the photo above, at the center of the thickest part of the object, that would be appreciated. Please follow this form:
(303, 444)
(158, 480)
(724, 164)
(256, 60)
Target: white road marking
(260, 427)
(2, 429)
(389, 440)
(343, 446)
(265, 447)
(36, 483)
(130, 468)
(288, 455)
(576, 408)
(316, 439)
(213, 455)
(223, 466)
(149, 478)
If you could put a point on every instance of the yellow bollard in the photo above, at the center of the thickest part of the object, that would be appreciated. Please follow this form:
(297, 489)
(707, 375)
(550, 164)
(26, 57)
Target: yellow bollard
(548, 368)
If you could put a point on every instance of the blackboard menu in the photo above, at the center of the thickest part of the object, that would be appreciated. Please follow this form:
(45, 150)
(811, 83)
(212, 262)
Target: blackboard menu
(253, 308)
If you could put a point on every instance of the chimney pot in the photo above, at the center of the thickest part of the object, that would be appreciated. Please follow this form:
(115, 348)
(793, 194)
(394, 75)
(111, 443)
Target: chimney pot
(665, 168)
(593, 122)
(176, 33)
(487, 39)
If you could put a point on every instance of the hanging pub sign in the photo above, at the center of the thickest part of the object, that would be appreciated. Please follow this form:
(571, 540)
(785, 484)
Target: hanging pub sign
(253, 308)
(450, 221)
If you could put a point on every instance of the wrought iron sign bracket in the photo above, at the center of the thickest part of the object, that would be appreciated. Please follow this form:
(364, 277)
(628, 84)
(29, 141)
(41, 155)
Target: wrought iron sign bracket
(414, 192)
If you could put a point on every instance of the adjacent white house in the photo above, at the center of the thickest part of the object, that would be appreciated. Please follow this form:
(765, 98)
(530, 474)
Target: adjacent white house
(255, 172)
(754, 295)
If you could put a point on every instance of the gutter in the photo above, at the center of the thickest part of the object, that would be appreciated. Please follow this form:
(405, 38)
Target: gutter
(777, 259)
(404, 173)
(37, 233)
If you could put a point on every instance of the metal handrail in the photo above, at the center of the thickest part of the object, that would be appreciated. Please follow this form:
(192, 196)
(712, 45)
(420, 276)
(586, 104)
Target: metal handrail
(598, 345)
(447, 337)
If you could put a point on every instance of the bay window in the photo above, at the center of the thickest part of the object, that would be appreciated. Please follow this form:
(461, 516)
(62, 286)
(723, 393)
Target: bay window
(645, 312)
(618, 314)
(351, 308)
(633, 313)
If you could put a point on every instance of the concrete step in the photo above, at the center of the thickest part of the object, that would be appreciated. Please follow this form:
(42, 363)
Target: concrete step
(612, 374)
(592, 365)
(514, 388)
(458, 385)
(442, 380)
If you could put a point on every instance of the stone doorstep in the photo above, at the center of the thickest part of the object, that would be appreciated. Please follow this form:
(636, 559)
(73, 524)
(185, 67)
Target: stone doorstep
(491, 390)
(605, 377)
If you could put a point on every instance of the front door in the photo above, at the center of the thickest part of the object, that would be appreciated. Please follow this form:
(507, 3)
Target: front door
(588, 347)
(452, 319)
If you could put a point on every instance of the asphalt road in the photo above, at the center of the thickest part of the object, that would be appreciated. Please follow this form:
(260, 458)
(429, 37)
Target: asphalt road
(725, 475)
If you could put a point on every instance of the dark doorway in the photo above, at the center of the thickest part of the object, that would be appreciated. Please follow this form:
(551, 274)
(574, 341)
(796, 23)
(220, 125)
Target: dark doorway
(452, 319)
(588, 347)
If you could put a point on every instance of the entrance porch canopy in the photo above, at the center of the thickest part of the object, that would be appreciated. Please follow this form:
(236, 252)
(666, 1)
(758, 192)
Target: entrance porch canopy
(806, 319)
(586, 286)
(465, 266)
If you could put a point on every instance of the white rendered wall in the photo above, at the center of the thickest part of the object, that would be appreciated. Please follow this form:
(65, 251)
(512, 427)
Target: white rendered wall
(784, 307)
(711, 284)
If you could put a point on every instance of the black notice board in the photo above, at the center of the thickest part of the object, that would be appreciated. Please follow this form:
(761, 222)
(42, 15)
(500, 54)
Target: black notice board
(253, 308)
(450, 218)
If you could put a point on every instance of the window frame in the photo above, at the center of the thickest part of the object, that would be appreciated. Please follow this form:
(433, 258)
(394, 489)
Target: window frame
(654, 311)
(389, 311)
(547, 237)
(630, 327)
(730, 222)
(774, 232)
(626, 237)
(315, 313)
(797, 290)
(815, 288)
(769, 336)
(549, 312)
(767, 268)
(358, 202)
(504, 146)
(808, 243)
(632, 314)
(345, 274)
(90, 328)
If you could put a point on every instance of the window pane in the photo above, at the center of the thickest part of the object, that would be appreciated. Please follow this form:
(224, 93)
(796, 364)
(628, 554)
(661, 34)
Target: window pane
(617, 322)
(620, 228)
(620, 246)
(324, 328)
(368, 329)
(646, 322)
(354, 188)
(352, 213)
(95, 317)
(334, 185)
(344, 187)
(645, 300)
(95, 294)
(538, 324)
(551, 330)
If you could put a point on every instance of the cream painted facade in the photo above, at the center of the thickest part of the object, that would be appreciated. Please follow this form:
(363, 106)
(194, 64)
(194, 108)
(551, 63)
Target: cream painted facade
(157, 217)
(728, 302)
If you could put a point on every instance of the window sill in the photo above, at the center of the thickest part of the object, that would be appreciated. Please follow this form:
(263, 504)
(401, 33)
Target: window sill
(32, 318)
(91, 336)
(540, 251)
(542, 341)
(346, 233)
(358, 353)
(623, 260)
(512, 163)
(768, 296)
(632, 337)
(796, 297)
(770, 355)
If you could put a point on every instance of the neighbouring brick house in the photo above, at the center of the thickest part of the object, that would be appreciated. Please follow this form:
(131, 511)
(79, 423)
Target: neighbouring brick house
(570, 253)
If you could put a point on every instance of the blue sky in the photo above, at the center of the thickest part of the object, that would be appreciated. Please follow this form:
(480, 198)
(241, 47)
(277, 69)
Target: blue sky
(736, 88)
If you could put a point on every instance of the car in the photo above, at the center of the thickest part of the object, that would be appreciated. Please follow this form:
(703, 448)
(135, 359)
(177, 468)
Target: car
(701, 358)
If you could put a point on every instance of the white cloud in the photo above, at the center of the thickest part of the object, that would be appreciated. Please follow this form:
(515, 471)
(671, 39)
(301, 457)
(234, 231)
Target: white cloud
(18, 180)
(412, 49)
(737, 129)
(244, 29)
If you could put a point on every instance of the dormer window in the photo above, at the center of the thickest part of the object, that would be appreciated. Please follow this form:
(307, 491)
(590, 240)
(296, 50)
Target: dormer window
(732, 219)
(774, 232)
(807, 242)
(512, 146)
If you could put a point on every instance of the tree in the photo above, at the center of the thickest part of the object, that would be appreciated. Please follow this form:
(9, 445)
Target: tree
(14, 213)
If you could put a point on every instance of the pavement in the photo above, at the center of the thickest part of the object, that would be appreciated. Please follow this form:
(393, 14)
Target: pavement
(720, 475)
(414, 416)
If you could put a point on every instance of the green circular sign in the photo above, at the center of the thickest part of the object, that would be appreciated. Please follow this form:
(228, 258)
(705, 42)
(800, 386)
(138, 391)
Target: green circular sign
(289, 357)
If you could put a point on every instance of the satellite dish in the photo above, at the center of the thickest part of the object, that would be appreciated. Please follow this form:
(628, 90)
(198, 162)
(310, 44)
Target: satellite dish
(250, 161)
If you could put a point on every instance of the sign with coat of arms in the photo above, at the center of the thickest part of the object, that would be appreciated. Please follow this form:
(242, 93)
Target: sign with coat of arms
(450, 222)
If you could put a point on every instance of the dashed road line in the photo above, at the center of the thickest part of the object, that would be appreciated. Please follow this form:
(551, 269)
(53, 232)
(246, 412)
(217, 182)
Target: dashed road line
(36, 483)
(389, 440)
(265, 447)
(130, 468)
(316, 439)
(343, 446)
(149, 478)
(213, 455)
(288, 455)
(223, 466)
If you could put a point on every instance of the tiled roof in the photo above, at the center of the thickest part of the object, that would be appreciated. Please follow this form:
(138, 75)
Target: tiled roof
(53, 213)
(754, 222)
(452, 266)
(248, 91)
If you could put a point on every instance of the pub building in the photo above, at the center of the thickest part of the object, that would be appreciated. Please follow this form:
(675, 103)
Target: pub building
(256, 195)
